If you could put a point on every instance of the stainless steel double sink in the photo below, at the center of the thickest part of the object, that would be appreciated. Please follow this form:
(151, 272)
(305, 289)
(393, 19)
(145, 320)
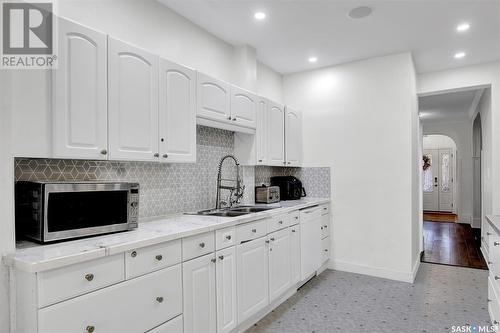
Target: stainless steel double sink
(232, 212)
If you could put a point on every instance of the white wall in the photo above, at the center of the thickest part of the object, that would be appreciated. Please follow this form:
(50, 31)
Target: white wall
(269, 83)
(482, 75)
(437, 141)
(358, 120)
(6, 194)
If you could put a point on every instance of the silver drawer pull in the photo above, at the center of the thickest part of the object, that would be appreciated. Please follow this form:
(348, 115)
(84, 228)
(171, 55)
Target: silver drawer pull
(213, 260)
(89, 277)
(133, 254)
(159, 257)
(254, 230)
(496, 243)
(159, 299)
(267, 241)
(280, 222)
(326, 226)
(293, 230)
(202, 245)
(326, 250)
(104, 152)
(272, 239)
(221, 257)
(228, 237)
(90, 329)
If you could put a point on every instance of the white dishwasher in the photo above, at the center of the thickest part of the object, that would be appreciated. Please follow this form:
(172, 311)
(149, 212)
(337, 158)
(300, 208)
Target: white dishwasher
(310, 241)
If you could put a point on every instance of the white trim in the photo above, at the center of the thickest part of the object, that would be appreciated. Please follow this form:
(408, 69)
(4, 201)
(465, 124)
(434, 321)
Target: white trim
(414, 271)
(473, 110)
(465, 219)
(373, 271)
(224, 126)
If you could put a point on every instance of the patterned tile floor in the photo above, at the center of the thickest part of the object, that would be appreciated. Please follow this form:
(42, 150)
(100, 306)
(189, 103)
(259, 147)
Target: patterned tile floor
(442, 296)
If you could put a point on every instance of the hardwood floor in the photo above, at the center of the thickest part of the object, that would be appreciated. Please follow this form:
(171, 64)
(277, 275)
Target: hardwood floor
(440, 217)
(452, 244)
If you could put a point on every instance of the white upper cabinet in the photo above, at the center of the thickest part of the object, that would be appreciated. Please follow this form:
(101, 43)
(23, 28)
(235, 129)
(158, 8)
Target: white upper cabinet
(177, 113)
(214, 99)
(80, 92)
(280, 273)
(199, 294)
(293, 137)
(133, 102)
(243, 107)
(276, 134)
(262, 133)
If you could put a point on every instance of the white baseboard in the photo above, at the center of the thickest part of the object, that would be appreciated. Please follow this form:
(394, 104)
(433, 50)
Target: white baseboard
(375, 271)
(414, 271)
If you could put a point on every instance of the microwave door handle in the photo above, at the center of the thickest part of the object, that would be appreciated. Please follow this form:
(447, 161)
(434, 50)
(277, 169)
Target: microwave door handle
(304, 194)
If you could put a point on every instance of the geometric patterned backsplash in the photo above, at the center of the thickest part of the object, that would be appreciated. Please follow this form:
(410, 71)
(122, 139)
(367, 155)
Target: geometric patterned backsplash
(168, 188)
(316, 181)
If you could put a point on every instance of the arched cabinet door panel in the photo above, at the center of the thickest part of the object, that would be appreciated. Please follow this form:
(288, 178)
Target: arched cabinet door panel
(133, 102)
(243, 107)
(177, 113)
(276, 134)
(214, 99)
(293, 137)
(80, 93)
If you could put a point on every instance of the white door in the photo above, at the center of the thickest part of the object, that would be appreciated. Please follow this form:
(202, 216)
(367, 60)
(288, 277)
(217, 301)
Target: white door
(80, 93)
(133, 102)
(198, 277)
(177, 113)
(226, 290)
(293, 137)
(261, 132)
(438, 180)
(280, 272)
(252, 277)
(276, 134)
(295, 253)
(214, 99)
(243, 107)
(310, 242)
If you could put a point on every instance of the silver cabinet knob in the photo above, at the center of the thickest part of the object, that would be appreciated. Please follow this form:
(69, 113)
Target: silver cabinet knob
(228, 237)
(496, 243)
(497, 277)
(490, 262)
(260, 161)
(229, 118)
(495, 322)
(213, 260)
(133, 254)
(254, 230)
(326, 250)
(284, 162)
(296, 217)
(289, 162)
(326, 226)
(321, 228)
(202, 245)
(156, 155)
(488, 233)
(234, 119)
(272, 239)
(293, 230)
(280, 222)
(89, 277)
(90, 329)
(267, 241)
(221, 257)
(159, 299)
(165, 155)
(104, 152)
(159, 257)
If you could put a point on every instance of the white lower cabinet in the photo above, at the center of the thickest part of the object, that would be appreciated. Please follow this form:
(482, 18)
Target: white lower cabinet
(132, 306)
(295, 253)
(280, 272)
(199, 294)
(225, 273)
(252, 277)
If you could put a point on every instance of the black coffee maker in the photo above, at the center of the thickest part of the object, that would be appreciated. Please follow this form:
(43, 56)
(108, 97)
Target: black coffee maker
(290, 187)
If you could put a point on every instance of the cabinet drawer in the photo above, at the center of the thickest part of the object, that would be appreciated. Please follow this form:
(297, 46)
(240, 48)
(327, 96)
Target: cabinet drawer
(325, 249)
(66, 282)
(277, 222)
(225, 237)
(197, 245)
(325, 226)
(294, 217)
(133, 306)
(251, 230)
(172, 326)
(152, 258)
(325, 209)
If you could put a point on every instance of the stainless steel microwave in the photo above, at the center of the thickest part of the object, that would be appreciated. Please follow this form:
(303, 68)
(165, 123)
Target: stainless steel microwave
(52, 211)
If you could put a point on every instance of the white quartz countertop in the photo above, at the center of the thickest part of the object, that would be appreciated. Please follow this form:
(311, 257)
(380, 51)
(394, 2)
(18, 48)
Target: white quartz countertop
(36, 258)
(494, 221)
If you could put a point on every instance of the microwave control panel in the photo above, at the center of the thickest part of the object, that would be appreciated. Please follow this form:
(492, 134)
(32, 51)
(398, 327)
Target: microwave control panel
(134, 203)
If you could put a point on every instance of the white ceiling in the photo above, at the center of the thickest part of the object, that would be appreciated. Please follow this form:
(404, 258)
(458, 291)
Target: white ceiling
(296, 30)
(449, 106)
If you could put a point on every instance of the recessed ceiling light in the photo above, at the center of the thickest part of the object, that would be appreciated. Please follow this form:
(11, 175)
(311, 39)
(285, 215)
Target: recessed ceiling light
(360, 12)
(313, 59)
(463, 27)
(459, 55)
(259, 16)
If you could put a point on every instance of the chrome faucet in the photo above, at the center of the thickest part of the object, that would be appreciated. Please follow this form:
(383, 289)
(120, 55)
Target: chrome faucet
(236, 192)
